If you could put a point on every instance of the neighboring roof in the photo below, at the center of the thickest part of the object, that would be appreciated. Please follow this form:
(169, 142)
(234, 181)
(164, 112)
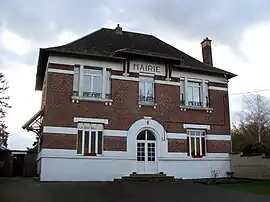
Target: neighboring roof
(106, 43)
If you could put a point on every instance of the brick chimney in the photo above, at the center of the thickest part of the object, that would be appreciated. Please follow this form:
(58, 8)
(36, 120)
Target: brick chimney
(207, 51)
(118, 30)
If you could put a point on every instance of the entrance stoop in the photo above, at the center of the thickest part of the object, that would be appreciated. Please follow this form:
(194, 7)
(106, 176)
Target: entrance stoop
(147, 177)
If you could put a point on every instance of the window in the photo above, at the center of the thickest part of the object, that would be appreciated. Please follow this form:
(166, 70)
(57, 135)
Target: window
(89, 139)
(196, 143)
(194, 94)
(92, 83)
(146, 86)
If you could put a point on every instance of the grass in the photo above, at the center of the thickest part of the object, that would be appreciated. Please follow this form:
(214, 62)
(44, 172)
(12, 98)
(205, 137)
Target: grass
(256, 187)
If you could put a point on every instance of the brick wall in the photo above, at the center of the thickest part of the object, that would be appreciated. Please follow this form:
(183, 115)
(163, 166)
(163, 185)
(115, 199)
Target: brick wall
(125, 110)
(177, 145)
(115, 143)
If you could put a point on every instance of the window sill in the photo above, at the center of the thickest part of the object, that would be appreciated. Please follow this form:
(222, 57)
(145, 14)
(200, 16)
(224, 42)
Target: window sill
(147, 104)
(207, 109)
(83, 98)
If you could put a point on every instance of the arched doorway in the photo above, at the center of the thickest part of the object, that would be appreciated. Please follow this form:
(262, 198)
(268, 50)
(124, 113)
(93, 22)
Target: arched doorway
(146, 152)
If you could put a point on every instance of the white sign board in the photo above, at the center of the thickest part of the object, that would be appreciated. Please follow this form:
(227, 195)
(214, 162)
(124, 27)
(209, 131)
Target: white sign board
(144, 67)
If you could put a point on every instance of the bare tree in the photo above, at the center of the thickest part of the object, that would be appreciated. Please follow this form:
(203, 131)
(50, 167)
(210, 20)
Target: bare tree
(256, 115)
(3, 106)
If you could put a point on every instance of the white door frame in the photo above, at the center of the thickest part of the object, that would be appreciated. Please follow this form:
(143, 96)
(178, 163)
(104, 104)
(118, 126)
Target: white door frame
(145, 143)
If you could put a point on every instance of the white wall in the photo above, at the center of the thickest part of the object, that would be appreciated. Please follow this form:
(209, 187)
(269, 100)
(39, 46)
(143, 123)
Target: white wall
(192, 169)
(84, 169)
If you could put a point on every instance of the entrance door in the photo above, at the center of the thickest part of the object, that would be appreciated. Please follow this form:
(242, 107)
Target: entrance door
(146, 152)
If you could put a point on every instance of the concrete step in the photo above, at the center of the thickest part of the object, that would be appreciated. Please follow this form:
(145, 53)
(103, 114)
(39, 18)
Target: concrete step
(146, 177)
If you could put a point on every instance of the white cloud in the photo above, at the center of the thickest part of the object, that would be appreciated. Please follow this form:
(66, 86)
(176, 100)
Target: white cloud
(66, 37)
(14, 43)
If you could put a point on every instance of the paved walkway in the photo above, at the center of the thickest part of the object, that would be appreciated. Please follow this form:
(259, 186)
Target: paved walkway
(28, 190)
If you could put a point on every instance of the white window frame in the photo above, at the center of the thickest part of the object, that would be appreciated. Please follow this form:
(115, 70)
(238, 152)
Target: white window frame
(105, 78)
(194, 85)
(90, 127)
(185, 82)
(147, 80)
(196, 134)
(92, 76)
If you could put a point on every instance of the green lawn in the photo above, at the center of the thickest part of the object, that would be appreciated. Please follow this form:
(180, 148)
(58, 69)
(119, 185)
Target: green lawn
(257, 187)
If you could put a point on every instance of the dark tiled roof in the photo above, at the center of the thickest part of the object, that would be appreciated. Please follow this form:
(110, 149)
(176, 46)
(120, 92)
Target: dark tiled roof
(107, 43)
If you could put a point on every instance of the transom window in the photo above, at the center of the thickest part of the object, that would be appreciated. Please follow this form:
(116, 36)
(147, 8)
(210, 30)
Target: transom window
(93, 84)
(146, 86)
(146, 135)
(89, 139)
(194, 94)
(196, 143)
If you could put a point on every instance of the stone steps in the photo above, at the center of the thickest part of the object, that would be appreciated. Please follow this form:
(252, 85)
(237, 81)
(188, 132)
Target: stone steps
(146, 177)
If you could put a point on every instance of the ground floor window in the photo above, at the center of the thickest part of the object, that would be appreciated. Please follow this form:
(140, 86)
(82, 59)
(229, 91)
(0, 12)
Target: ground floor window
(89, 139)
(196, 143)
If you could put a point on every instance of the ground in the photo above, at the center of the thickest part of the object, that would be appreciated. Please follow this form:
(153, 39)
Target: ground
(28, 190)
(257, 187)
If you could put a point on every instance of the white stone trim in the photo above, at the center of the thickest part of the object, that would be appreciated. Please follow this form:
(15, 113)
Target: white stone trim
(61, 71)
(177, 136)
(190, 75)
(118, 133)
(19, 152)
(172, 83)
(218, 137)
(125, 78)
(217, 88)
(86, 62)
(59, 130)
(90, 120)
(196, 126)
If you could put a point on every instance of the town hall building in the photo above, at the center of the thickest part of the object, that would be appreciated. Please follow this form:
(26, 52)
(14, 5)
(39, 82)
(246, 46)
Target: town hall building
(116, 102)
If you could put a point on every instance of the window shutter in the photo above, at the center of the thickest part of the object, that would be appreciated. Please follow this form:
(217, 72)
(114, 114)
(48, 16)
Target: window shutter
(100, 140)
(79, 142)
(182, 92)
(206, 95)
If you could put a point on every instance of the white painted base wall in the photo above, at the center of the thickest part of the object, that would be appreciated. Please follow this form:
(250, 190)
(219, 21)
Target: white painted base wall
(66, 166)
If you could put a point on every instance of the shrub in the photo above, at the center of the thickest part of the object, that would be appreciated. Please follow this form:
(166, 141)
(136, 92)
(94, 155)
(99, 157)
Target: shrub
(247, 149)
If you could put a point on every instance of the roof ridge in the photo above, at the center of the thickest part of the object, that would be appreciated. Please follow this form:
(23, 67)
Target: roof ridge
(131, 32)
(85, 36)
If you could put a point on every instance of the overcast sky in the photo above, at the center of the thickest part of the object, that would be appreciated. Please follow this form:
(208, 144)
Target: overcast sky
(239, 30)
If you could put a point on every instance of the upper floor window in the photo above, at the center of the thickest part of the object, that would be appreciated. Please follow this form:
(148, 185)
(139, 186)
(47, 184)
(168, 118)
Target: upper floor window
(196, 143)
(146, 87)
(194, 94)
(90, 139)
(91, 82)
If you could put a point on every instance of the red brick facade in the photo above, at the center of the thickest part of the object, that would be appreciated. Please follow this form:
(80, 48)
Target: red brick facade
(175, 145)
(218, 146)
(112, 143)
(125, 110)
